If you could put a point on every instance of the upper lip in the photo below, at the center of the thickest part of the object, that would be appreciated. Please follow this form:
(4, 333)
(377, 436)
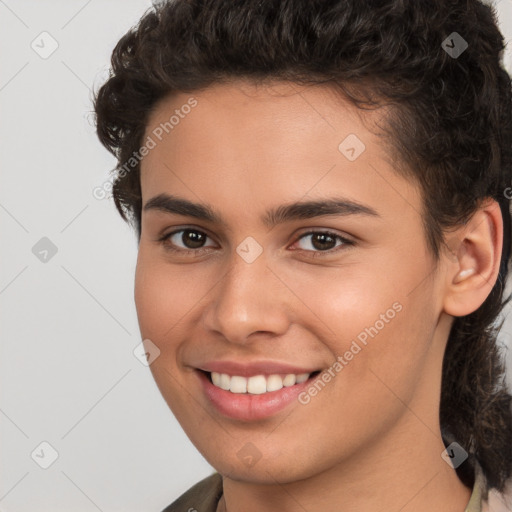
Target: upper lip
(253, 368)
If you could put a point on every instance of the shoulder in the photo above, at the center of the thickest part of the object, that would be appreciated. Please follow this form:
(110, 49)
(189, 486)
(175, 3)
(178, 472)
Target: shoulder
(201, 497)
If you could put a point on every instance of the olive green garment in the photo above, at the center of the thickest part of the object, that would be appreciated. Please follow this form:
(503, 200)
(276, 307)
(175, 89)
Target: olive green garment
(202, 497)
(205, 495)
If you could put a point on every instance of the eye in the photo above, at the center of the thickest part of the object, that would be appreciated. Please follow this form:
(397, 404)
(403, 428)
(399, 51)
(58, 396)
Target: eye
(193, 241)
(190, 241)
(322, 242)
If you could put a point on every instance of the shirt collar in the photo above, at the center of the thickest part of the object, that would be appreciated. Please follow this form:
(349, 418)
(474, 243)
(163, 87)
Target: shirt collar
(478, 500)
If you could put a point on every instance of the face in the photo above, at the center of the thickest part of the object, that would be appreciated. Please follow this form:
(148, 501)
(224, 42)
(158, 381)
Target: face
(316, 322)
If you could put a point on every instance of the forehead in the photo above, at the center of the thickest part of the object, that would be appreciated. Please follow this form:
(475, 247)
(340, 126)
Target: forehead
(245, 143)
(257, 112)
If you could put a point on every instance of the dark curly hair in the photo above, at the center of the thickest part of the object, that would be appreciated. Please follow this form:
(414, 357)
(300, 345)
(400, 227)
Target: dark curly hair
(448, 126)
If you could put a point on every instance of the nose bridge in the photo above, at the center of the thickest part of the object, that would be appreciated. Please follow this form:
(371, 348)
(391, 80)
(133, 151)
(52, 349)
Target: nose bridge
(245, 300)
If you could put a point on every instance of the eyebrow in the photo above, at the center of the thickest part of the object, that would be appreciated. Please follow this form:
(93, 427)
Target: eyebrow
(293, 211)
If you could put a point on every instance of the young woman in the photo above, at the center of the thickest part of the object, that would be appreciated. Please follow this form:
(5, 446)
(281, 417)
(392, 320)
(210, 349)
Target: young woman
(318, 191)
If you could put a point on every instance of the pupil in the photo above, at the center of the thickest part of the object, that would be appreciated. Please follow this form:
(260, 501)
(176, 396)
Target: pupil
(323, 238)
(192, 239)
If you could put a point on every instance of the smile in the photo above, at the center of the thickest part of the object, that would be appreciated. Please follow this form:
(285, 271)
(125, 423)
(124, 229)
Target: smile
(257, 384)
(254, 397)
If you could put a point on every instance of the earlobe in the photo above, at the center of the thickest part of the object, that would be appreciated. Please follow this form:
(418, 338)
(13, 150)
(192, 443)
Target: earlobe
(473, 268)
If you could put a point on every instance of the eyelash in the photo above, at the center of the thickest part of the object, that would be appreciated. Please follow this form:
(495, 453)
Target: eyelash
(164, 240)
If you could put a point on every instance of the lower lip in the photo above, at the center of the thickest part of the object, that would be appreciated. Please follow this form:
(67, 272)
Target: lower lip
(249, 407)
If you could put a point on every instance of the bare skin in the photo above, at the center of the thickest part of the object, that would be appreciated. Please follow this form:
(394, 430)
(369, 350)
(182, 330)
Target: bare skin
(370, 440)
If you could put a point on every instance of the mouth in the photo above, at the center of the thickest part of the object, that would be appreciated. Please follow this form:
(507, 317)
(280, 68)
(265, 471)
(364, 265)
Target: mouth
(255, 397)
(257, 384)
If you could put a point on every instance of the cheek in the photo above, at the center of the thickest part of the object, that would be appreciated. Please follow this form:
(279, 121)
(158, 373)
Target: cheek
(370, 319)
(164, 296)
(382, 334)
(163, 300)
(344, 302)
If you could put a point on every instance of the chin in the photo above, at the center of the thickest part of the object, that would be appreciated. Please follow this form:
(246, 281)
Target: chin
(263, 471)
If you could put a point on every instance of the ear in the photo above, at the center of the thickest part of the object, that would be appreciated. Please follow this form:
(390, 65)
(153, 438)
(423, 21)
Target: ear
(473, 260)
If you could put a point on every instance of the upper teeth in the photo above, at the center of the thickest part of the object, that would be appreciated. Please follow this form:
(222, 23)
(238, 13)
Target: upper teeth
(257, 384)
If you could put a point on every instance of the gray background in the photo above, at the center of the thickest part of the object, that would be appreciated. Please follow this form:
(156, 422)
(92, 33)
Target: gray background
(69, 376)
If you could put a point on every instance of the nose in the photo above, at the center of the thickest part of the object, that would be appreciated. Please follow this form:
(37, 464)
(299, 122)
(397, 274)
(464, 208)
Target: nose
(249, 300)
